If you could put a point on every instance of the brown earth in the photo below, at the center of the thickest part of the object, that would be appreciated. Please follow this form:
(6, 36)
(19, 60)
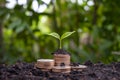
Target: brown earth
(61, 51)
(27, 71)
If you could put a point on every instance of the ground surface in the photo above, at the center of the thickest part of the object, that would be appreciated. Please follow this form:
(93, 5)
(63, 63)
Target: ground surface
(26, 71)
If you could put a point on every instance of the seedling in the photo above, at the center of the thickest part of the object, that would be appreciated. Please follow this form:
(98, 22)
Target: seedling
(60, 38)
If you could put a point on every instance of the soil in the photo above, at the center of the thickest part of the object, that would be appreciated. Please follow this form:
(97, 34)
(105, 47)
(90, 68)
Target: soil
(61, 51)
(27, 71)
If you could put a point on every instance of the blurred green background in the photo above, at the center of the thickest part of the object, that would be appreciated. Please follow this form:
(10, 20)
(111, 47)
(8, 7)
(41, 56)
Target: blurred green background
(25, 23)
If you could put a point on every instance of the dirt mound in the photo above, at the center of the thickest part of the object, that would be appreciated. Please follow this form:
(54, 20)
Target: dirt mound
(27, 71)
(61, 51)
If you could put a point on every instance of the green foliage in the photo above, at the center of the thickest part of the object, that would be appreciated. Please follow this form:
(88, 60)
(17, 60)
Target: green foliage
(66, 35)
(55, 35)
(96, 22)
(62, 37)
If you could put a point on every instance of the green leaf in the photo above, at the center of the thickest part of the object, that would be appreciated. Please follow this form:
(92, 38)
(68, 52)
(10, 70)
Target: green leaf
(55, 35)
(66, 34)
(20, 28)
(14, 24)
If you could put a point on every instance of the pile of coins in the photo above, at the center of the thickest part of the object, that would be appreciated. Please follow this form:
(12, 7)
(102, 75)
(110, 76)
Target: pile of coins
(60, 63)
(62, 58)
(45, 64)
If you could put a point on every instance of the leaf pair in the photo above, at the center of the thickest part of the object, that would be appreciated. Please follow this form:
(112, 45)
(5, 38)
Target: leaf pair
(56, 35)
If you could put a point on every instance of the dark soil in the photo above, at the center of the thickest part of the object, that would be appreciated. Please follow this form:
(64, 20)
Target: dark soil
(27, 71)
(61, 51)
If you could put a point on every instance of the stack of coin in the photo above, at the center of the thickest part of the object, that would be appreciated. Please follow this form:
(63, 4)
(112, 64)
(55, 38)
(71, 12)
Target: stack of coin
(45, 64)
(62, 58)
(78, 68)
(61, 69)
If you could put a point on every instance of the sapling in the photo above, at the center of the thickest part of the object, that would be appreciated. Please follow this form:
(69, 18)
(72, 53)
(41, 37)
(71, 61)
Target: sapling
(60, 38)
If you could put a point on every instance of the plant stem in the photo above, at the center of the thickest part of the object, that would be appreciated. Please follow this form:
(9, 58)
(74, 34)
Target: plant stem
(60, 44)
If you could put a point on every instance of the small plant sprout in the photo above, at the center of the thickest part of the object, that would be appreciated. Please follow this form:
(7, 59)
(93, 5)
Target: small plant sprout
(60, 38)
